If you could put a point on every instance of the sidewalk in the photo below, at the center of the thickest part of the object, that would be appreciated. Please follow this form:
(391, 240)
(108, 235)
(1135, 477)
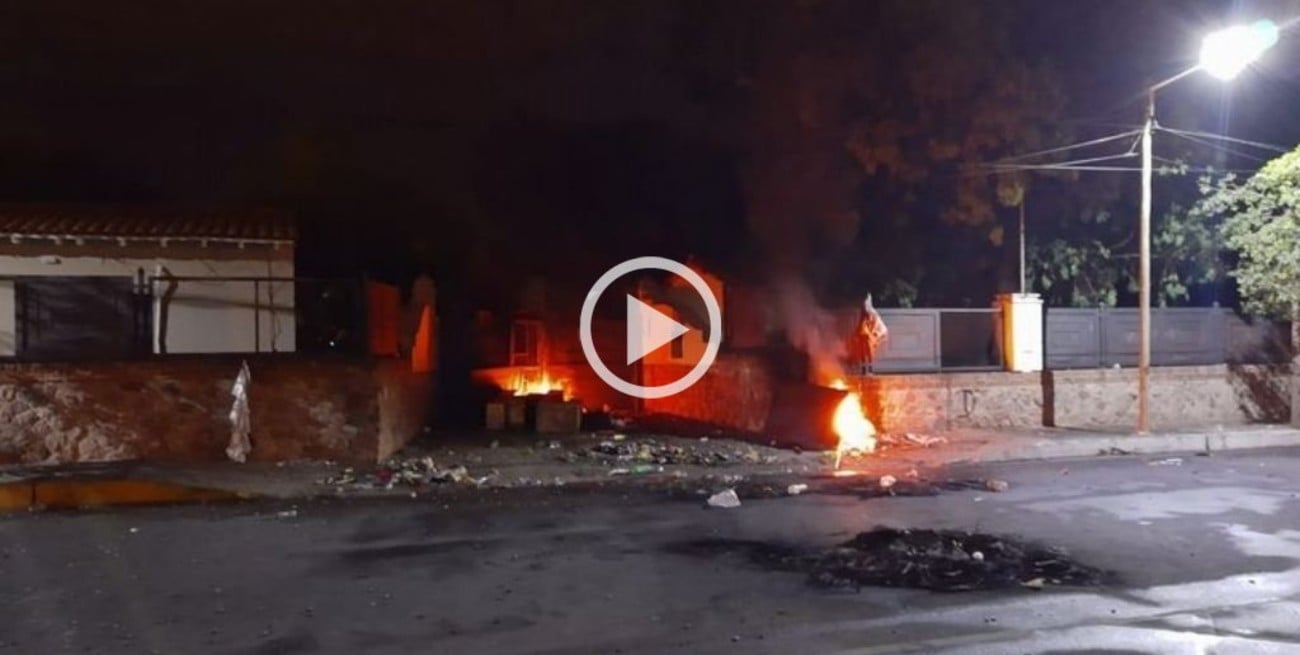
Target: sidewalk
(487, 461)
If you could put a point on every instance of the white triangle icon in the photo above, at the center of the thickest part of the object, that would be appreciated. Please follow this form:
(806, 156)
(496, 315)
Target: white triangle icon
(648, 329)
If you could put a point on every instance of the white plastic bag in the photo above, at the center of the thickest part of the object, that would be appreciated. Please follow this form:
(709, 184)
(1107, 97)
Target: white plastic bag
(240, 422)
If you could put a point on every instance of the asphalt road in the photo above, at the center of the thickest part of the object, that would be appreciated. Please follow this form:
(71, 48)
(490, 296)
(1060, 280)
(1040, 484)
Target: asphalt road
(1206, 555)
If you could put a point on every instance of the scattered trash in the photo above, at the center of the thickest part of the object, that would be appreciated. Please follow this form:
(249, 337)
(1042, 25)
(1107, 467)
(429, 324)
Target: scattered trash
(1114, 451)
(413, 472)
(651, 451)
(639, 469)
(997, 486)
(911, 439)
(796, 489)
(288, 513)
(725, 499)
(495, 444)
(1170, 461)
(887, 481)
(619, 437)
(939, 560)
(134, 530)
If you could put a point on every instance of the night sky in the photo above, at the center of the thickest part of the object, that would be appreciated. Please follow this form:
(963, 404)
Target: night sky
(485, 140)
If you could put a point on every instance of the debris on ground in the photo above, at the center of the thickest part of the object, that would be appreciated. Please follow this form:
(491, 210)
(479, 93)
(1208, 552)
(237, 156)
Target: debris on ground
(1114, 451)
(650, 451)
(911, 439)
(997, 486)
(796, 489)
(887, 481)
(938, 560)
(413, 472)
(639, 469)
(1169, 461)
(725, 499)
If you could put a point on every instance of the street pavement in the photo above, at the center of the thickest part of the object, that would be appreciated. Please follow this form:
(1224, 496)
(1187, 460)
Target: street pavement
(1204, 551)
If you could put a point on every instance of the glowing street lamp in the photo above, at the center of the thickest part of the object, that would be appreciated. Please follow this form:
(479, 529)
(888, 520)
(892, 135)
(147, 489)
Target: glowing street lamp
(1224, 54)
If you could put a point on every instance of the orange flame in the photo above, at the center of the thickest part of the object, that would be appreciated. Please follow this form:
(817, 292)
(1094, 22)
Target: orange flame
(522, 385)
(856, 433)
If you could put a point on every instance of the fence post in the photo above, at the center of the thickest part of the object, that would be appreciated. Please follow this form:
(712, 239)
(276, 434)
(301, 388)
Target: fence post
(257, 317)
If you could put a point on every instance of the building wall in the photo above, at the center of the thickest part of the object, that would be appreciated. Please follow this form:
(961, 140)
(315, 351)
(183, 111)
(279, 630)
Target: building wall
(178, 409)
(201, 316)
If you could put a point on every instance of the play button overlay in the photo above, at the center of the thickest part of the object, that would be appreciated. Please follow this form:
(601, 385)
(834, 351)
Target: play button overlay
(649, 329)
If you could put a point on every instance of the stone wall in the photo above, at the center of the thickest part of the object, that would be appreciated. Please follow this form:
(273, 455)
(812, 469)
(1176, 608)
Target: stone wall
(177, 409)
(1181, 396)
(738, 393)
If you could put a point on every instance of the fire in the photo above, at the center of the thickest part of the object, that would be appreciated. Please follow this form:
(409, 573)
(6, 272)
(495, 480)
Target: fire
(540, 385)
(855, 431)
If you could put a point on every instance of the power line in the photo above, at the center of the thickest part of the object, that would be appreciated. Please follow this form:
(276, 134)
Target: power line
(1215, 146)
(1089, 160)
(1223, 137)
(1073, 146)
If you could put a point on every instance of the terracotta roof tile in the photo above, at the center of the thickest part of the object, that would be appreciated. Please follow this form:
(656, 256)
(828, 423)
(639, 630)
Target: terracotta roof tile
(145, 222)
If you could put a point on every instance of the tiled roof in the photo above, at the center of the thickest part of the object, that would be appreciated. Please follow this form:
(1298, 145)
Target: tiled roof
(145, 223)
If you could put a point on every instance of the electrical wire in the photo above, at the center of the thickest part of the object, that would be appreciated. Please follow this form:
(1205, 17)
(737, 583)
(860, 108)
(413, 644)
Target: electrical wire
(1215, 146)
(1223, 137)
(1073, 146)
(1089, 160)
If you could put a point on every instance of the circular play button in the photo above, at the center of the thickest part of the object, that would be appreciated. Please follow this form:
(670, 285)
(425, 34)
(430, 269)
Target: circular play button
(648, 328)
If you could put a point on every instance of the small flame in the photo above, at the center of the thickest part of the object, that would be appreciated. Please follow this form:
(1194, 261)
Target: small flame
(521, 385)
(856, 432)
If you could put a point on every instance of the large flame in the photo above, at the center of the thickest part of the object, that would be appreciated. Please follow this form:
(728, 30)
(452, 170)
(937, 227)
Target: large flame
(537, 385)
(856, 433)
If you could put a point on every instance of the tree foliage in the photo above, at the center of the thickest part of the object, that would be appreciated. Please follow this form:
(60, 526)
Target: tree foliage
(1094, 271)
(862, 123)
(1261, 225)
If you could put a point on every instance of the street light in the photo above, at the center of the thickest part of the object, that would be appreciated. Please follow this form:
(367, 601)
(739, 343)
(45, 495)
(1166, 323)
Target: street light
(1224, 54)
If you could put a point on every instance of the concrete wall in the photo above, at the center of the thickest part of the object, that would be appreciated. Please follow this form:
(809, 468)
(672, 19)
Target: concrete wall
(738, 393)
(200, 317)
(178, 409)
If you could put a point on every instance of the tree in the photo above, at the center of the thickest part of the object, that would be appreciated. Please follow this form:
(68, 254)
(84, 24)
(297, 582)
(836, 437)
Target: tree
(1261, 225)
(1093, 270)
(862, 124)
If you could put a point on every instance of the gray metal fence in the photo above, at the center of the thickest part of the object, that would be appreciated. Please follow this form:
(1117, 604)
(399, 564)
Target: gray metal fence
(943, 339)
(924, 340)
(1105, 337)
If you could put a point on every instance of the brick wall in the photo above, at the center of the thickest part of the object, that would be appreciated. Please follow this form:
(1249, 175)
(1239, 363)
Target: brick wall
(177, 409)
(736, 392)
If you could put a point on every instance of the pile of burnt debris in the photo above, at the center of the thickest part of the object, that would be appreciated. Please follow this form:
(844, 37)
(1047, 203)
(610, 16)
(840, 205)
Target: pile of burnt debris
(938, 560)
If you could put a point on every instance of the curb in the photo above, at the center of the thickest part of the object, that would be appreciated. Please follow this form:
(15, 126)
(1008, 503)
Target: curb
(1149, 444)
(75, 493)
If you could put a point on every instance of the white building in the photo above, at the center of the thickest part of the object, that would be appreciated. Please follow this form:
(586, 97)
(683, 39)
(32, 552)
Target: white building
(79, 282)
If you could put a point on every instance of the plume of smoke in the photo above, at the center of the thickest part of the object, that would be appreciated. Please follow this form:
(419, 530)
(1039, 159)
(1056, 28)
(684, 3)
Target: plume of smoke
(810, 328)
